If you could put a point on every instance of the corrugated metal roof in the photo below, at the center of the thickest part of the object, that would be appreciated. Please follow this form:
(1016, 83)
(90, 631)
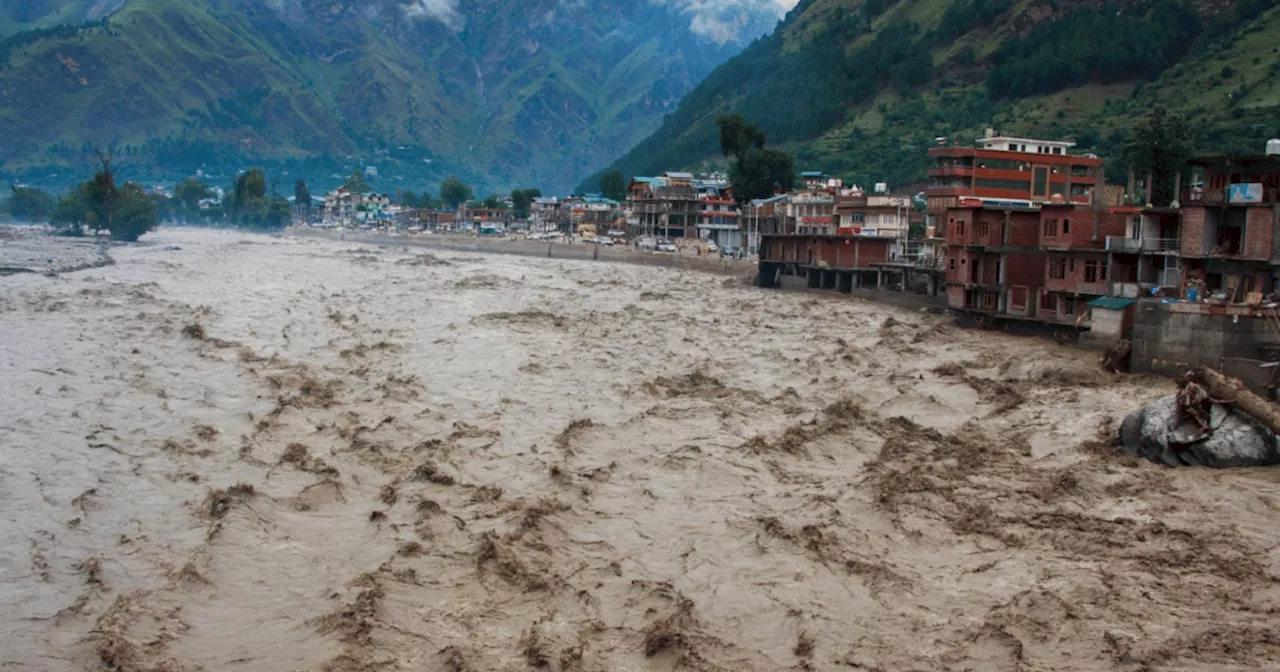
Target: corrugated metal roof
(1111, 303)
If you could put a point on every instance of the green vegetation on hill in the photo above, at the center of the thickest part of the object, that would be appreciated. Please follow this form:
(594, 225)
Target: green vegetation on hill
(861, 89)
(507, 96)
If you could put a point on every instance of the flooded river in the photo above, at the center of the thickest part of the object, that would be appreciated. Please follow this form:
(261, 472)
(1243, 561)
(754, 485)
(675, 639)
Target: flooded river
(255, 453)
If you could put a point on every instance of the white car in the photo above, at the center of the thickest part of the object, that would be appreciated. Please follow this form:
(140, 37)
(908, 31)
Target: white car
(605, 241)
(711, 247)
(666, 246)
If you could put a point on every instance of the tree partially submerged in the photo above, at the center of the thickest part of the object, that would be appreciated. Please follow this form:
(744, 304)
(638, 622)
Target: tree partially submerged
(249, 205)
(126, 212)
(29, 204)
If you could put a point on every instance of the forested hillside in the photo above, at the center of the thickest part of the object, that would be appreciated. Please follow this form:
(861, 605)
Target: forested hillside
(861, 88)
(506, 93)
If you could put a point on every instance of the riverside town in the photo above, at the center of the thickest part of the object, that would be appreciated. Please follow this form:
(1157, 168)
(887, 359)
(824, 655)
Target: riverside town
(646, 336)
(1016, 233)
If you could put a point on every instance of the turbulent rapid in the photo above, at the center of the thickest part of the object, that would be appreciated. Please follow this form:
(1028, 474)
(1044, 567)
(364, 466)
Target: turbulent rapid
(237, 452)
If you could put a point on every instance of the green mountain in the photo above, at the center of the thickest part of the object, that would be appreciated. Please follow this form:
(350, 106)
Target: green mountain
(506, 93)
(861, 88)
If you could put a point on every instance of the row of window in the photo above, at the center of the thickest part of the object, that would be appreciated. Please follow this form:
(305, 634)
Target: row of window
(1053, 226)
(1094, 270)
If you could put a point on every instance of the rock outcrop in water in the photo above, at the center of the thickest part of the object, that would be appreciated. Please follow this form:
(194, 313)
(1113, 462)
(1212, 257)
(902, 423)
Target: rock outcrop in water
(1233, 438)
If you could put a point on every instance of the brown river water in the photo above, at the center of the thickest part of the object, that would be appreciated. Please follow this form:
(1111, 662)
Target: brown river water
(257, 453)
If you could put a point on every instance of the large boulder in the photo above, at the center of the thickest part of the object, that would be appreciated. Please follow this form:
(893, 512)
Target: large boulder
(1233, 439)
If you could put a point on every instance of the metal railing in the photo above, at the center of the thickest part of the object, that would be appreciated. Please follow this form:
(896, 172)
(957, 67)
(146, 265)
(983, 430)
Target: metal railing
(1127, 244)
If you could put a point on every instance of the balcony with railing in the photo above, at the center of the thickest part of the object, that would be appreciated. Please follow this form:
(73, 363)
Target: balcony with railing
(1207, 196)
(1136, 245)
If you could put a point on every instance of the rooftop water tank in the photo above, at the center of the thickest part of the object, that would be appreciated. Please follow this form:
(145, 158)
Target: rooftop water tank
(1273, 147)
(881, 187)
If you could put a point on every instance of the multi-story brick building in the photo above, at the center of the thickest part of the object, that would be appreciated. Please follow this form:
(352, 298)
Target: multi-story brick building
(993, 261)
(1228, 240)
(666, 206)
(873, 214)
(1014, 172)
(1025, 223)
(1078, 267)
(811, 212)
(719, 220)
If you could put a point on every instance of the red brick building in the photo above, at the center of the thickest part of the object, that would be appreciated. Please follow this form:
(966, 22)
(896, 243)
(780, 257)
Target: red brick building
(825, 261)
(1228, 240)
(1078, 266)
(993, 265)
(1013, 172)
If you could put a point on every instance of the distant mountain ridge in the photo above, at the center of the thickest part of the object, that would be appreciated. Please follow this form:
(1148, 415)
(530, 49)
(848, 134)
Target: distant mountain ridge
(862, 88)
(506, 93)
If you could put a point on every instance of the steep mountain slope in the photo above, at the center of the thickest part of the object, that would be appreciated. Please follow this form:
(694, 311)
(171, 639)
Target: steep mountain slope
(861, 88)
(505, 92)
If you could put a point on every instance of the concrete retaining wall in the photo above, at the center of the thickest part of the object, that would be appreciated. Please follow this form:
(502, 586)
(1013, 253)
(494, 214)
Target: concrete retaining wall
(576, 252)
(1168, 339)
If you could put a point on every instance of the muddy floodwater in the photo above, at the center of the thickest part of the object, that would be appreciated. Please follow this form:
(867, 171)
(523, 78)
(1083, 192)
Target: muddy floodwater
(256, 453)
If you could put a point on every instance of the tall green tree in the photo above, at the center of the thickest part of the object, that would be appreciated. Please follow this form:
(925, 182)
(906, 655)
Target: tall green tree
(72, 213)
(250, 187)
(1161, 146)
(356, 182)
(302, 196)
(409, 199)
(737, 137)
(494, 202)
(190, 192)
(521, 199)
(126, 211)
(612, 185)
(763, 173)
(757, 172)
(134, 214)
(30, 204)
(455, 192)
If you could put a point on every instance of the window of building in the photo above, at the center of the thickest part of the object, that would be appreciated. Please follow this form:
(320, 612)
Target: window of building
(1049, 302)
(1012, 185)
(1066, 226)
(859, 218)
(1050, 228)
(953, 264)
(1091, 271)
(1057, 268)
(983, 229)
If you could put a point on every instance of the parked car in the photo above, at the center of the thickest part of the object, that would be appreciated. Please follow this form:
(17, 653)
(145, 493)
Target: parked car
(606, 241)
(712, 247)
(666, 246)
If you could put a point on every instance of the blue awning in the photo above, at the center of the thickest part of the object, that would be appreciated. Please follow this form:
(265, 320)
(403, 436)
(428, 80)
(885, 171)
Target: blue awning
(1111, 303)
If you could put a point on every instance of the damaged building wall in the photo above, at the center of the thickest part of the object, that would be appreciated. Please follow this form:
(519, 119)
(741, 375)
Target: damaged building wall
(1169, 338)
